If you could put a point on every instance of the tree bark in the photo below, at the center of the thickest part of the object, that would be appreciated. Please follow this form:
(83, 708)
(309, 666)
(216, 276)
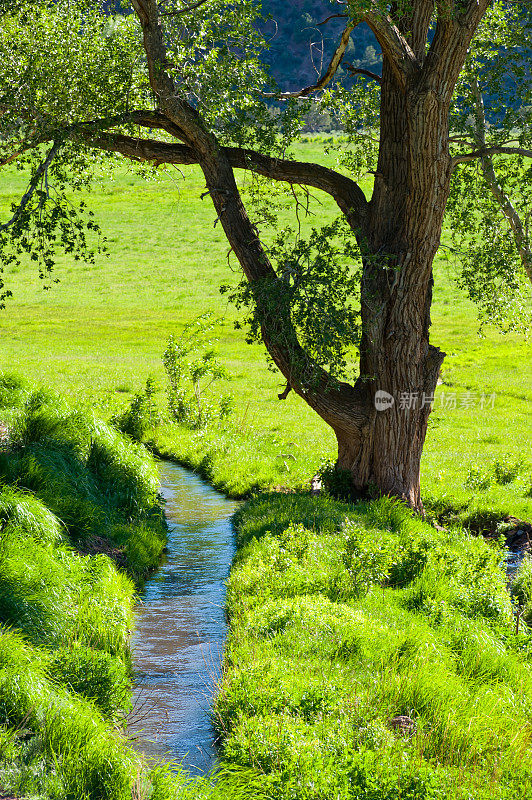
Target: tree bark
(404, 229)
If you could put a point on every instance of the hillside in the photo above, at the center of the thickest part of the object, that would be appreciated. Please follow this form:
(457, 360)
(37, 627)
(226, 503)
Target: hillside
(299, 44)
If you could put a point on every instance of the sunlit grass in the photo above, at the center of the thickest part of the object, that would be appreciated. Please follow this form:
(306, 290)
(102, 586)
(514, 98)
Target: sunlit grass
(319, 665)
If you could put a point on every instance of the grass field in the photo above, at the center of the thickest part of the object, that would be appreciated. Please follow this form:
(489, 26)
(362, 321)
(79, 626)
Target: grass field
(101, 331)
(414, 623)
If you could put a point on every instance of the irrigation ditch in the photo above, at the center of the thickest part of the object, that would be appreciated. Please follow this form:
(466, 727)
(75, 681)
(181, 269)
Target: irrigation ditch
(180, 631)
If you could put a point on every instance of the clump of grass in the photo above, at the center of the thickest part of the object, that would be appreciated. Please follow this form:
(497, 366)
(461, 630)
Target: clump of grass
(95, 675)
(95, 480)
(522, 587)
(501, 471)
(477, 478)
(506, 469)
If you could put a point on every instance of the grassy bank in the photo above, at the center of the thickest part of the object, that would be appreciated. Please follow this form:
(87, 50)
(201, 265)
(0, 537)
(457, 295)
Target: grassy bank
(67, 483)
(372, 657)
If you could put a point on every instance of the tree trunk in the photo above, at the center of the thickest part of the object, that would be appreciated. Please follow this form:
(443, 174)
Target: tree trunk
(397, 364)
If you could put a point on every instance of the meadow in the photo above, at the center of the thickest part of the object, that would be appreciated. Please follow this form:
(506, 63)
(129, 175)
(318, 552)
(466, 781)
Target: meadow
(101, 331)
(417, 686)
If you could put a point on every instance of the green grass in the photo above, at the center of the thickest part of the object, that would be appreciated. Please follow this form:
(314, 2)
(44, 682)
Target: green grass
(335, 627)
(101, 485)
(65, 619)
(101, 331)
(343, 618)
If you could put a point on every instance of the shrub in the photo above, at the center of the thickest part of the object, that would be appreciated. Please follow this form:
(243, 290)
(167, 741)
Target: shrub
(337, 482)
(506, 469)
(192, 367)
(141, 416)
(478, 479)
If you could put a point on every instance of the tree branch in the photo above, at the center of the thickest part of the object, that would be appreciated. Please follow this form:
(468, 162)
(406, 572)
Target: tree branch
(473, 16)
(278, 332)
(186, 119)
(39, 173)
(420, 27)
(394, 45)
(358, 71)
(452, 39)
(325, 78)
(182, 11)
(331, 16)
(490, 176)
(483, 152)
(346, 192)
(142, 117)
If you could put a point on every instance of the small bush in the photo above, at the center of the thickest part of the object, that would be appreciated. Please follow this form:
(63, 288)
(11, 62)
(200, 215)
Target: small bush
(478, 479)
(337, 482)
(502, 471)
(192, 367)
(141, 416)
(506, 470)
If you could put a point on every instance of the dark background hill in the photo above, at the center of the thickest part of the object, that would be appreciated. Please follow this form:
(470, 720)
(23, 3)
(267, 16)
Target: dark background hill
(300, 48)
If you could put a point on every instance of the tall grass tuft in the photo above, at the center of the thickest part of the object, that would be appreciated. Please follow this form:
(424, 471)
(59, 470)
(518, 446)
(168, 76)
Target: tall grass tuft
(95, 480)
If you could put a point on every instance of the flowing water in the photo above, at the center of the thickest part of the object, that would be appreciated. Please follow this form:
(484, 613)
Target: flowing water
(180, 630)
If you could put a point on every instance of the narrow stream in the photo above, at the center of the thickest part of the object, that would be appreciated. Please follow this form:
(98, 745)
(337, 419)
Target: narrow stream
(180, 630)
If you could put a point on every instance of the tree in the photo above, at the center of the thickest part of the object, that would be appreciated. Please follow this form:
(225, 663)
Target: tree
(199, 88)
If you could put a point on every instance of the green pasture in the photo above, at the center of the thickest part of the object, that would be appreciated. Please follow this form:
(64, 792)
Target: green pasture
(100, 332)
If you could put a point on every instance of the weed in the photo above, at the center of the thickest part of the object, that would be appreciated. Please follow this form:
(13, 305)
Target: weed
(141, 416)
(477, 478)
(506, 469)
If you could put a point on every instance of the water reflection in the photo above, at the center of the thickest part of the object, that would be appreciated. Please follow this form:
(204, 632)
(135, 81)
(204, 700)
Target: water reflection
(180, 631)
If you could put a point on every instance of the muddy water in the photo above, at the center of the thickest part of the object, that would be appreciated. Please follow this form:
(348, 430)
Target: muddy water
(180, 630)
